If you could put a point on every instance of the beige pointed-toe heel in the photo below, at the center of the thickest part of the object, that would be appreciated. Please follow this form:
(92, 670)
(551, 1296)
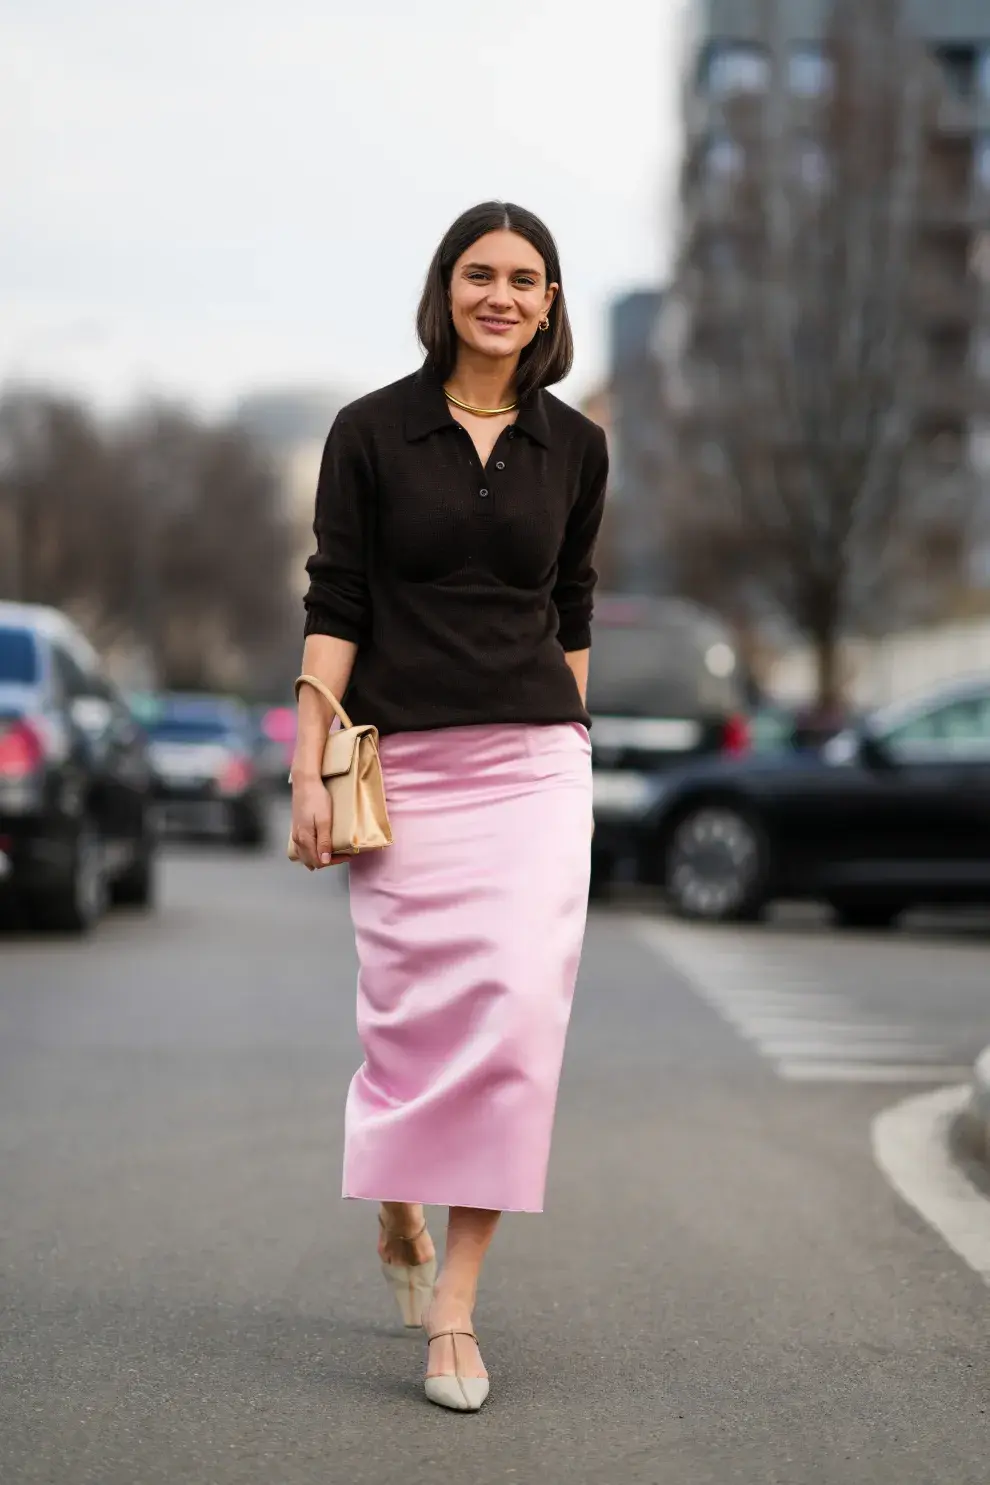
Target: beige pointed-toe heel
(411, 1283)
(461, 1394)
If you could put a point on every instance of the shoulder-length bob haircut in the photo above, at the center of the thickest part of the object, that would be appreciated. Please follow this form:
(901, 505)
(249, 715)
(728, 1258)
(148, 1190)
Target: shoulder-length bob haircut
(547, 358)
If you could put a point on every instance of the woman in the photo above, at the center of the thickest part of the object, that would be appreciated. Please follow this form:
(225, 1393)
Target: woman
(451, 596)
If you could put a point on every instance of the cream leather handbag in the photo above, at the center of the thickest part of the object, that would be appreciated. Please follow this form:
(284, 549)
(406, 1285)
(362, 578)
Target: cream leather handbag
(352, 774)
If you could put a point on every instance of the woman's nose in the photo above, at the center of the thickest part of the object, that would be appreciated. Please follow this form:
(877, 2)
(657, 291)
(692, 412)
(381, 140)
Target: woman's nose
(499, 296)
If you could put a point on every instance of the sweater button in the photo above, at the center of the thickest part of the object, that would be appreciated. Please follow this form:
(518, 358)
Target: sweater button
(500, 464)
(482, 493)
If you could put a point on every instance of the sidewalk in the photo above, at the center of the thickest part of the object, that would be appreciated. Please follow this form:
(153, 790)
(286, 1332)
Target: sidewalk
(975, 1122)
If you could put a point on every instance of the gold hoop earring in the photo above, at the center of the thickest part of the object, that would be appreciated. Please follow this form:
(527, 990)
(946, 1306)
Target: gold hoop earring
(545, 323)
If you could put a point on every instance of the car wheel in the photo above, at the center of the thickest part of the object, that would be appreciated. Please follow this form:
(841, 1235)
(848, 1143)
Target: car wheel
(249, 830)
(716, 865)
(76, 904)
(867, 914)
(136, 887)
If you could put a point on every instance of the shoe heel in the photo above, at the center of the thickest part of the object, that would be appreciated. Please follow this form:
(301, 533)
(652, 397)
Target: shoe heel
(412, 1285)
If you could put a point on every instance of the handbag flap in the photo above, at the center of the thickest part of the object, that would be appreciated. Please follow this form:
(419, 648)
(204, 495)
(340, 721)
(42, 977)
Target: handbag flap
(338, 755)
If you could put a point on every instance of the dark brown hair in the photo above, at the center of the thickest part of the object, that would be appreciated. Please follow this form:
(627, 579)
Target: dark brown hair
(547, 358)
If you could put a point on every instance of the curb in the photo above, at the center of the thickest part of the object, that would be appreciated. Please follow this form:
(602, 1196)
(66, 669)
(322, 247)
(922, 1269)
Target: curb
(975, 1118)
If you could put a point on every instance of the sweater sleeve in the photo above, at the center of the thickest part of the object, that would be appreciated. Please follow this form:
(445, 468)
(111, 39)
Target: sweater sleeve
(576, 577)
(338, 600)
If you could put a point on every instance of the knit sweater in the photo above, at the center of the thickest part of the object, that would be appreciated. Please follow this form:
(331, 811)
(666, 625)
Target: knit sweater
(462, 584)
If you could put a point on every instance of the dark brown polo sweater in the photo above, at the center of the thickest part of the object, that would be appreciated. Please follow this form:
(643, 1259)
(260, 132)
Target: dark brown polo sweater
(462, 584)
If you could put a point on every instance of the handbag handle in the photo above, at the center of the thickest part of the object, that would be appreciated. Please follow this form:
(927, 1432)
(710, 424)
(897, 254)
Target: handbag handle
(326, 693)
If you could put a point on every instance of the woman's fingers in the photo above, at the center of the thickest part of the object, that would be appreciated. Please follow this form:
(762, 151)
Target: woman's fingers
(305, 839)
(324, 840)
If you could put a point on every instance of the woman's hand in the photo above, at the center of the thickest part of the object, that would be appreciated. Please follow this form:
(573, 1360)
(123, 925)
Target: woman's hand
(312, 823)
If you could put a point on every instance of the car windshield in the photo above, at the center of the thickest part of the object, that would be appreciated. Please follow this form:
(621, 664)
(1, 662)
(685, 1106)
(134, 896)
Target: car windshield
(923, 711)
(645, 671)
(18, 657)
(192, 730)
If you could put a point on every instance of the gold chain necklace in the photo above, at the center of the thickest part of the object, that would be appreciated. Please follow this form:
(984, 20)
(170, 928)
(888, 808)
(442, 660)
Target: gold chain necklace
(480, 412)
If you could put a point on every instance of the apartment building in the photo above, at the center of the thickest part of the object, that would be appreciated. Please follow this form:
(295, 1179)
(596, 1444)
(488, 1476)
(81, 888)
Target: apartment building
(638, 444)
(733, 78)
(293, 426)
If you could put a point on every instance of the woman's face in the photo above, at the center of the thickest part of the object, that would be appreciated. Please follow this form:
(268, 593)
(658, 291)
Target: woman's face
(499, 294)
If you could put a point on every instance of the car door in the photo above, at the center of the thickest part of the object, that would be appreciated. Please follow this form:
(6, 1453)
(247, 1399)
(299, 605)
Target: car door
(830, 813)
(100, 738)
(939, 757)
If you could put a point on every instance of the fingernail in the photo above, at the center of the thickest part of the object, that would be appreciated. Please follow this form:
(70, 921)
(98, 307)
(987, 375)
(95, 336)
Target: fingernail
(325, 858)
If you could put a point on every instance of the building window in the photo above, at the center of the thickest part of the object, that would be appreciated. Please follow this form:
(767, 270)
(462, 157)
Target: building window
(811, 166)
(737, 69)
(981, 353)
(979, 257)
(981, 163)
(959, 64)
(717, 254)
(809, 72)
(723, 165)
(979, 448)
(723, 158)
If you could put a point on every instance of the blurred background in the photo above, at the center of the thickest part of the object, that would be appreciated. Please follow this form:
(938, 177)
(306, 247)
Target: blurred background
(220, 221)
(776, 258)
(774, 222)
(775, 225)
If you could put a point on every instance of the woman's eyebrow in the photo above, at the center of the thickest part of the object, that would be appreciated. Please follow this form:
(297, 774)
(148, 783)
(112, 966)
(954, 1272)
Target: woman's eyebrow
(487, 268)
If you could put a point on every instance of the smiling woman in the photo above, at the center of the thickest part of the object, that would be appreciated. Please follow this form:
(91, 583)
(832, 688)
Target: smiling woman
(494, 289)
(451, 594)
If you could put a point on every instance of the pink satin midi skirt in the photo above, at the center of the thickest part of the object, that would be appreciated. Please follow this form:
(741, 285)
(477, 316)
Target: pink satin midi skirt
(469, 931)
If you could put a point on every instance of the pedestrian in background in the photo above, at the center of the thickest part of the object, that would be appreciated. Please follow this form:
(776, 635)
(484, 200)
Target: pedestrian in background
(451, 598)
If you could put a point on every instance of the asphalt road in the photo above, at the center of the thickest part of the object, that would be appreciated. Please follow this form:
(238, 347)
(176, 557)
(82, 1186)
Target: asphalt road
(724, 1288)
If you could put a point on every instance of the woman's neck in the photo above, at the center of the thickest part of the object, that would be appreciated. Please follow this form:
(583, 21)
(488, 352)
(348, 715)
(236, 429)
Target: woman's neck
(483, 381)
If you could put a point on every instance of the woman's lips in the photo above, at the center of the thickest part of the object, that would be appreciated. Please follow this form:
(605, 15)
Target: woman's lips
(498, 326)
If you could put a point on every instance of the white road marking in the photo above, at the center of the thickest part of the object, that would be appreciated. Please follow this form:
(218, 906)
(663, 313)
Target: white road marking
(848, 1049)
(910, 1145)
(811, 1035)
(767, 1029)
(809, 1071)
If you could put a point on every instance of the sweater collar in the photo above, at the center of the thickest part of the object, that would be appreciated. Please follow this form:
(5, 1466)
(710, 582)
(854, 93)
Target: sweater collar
(428, 410)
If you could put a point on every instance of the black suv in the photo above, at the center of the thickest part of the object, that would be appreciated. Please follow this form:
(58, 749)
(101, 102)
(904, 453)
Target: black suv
(76, 822)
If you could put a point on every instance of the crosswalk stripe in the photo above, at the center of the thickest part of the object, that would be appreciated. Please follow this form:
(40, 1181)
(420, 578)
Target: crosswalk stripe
(850, 1050)
(871, 1072)
(808, 1035)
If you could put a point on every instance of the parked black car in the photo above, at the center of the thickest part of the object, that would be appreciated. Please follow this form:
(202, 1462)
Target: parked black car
(207, 780)
(890, 814)
(665, 688)
(76, 823)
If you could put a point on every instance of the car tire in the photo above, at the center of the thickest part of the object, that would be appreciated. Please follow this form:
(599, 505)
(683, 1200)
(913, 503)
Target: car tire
(137, 886)
(77, 903)
(249, 831)
(715, 864)
(865, 915)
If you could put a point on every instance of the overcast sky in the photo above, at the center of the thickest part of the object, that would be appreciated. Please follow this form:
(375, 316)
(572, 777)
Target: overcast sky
(208, 197)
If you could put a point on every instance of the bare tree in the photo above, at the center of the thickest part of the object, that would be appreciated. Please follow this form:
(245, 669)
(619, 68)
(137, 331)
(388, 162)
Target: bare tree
(212, 551)
(824, 460)
(163, 535)
(65, 511)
